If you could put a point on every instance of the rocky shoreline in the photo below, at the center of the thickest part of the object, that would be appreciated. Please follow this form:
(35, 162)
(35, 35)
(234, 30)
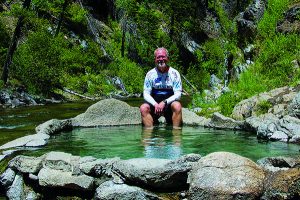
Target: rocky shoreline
(219, 175)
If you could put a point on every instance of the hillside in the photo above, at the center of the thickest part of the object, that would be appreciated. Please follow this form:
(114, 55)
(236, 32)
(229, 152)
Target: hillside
(226, 50)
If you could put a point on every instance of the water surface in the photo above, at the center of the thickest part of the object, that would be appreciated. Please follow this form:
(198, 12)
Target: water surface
(162, 142)
(132, 141)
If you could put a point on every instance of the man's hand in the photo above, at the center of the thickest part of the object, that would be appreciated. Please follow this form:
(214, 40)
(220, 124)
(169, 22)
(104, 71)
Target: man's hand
(159, 108)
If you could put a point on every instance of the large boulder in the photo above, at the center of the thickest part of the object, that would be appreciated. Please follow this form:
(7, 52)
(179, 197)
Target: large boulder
(192, 119)
(26, 164)
(108, 112)
(270, 127)
(158, 174)
(224, 175)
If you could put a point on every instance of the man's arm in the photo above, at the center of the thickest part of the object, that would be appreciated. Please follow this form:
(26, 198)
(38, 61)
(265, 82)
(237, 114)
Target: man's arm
(148, 90)
(177, 88)
(148, 97)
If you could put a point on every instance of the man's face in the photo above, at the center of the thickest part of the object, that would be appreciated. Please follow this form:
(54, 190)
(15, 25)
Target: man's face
(161, 58)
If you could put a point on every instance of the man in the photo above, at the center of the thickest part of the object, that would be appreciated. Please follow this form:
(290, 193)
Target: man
(162, 90)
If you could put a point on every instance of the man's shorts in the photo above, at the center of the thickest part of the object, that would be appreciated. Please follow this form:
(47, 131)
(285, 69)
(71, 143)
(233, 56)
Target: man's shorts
(167, 113)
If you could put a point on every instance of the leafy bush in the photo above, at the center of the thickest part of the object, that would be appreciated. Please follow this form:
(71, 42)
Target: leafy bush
(37, 62)
(250, 83)
(274, 12)
(263, 107)
(130, 73)
(276, 56)
(90, 84)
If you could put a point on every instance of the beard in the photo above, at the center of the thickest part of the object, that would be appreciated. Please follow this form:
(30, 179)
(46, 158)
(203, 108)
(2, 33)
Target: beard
(161, 64)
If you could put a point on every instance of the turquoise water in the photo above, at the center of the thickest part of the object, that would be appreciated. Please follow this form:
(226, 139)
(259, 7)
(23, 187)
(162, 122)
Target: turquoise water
(132, 141)
(162, 142)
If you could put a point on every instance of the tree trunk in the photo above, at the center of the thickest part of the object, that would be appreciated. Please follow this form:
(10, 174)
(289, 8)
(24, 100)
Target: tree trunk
(13, 44)
(123, 43)
(61, 17)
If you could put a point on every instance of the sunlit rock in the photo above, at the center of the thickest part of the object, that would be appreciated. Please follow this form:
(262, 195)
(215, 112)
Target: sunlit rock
(224, 175)
(110, 190)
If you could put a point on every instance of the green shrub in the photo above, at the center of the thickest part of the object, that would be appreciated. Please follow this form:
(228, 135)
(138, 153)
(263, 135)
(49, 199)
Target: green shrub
(263, 107)
(90, 84)
(275, 10)
(250, 83)
(37, 62)
(131, 74)
(276, 56)
(198, 77)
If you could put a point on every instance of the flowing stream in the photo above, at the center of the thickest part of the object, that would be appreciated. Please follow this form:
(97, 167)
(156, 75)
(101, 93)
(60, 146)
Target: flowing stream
(132, 141)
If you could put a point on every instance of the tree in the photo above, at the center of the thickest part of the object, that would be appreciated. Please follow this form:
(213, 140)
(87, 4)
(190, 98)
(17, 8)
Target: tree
(13, 44)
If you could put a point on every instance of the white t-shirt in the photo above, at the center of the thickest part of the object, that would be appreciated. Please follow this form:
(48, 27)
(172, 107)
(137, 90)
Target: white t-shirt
(157, 83)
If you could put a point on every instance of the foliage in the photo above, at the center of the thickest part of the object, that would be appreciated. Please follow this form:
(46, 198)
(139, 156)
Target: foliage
(4, 43)
(274, 12)
(276, 56)
(129, 72)
(91, 84)
(37, 64)
(208, 107)
(263, 107)
(77, 14)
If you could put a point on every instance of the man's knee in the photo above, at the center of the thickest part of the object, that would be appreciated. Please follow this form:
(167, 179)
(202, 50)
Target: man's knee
(145, 108)
(176, 107)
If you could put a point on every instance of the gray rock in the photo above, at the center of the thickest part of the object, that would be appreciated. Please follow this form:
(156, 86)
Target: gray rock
(251, 106)
(111, 191)
(192, 119)
(23, 141)
(26, 164)
(252, 123)
(247, 20)
(108, 112)
(98, 167)
(61, 161)
(294, 106)
(7, 178)
(159, 174)
(16, 190)
(290, 23)
(282, 184)
(224, 175)
(32, 196)
(56, 178)
(279, 163)
(53, 126)
(221, 122)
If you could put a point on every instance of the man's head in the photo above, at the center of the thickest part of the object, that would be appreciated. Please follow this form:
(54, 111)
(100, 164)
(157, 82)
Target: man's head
(161, 58)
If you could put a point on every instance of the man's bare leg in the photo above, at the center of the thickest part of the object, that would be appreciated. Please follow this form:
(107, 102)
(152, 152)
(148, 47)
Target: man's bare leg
(177, 114)
(146, 116)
